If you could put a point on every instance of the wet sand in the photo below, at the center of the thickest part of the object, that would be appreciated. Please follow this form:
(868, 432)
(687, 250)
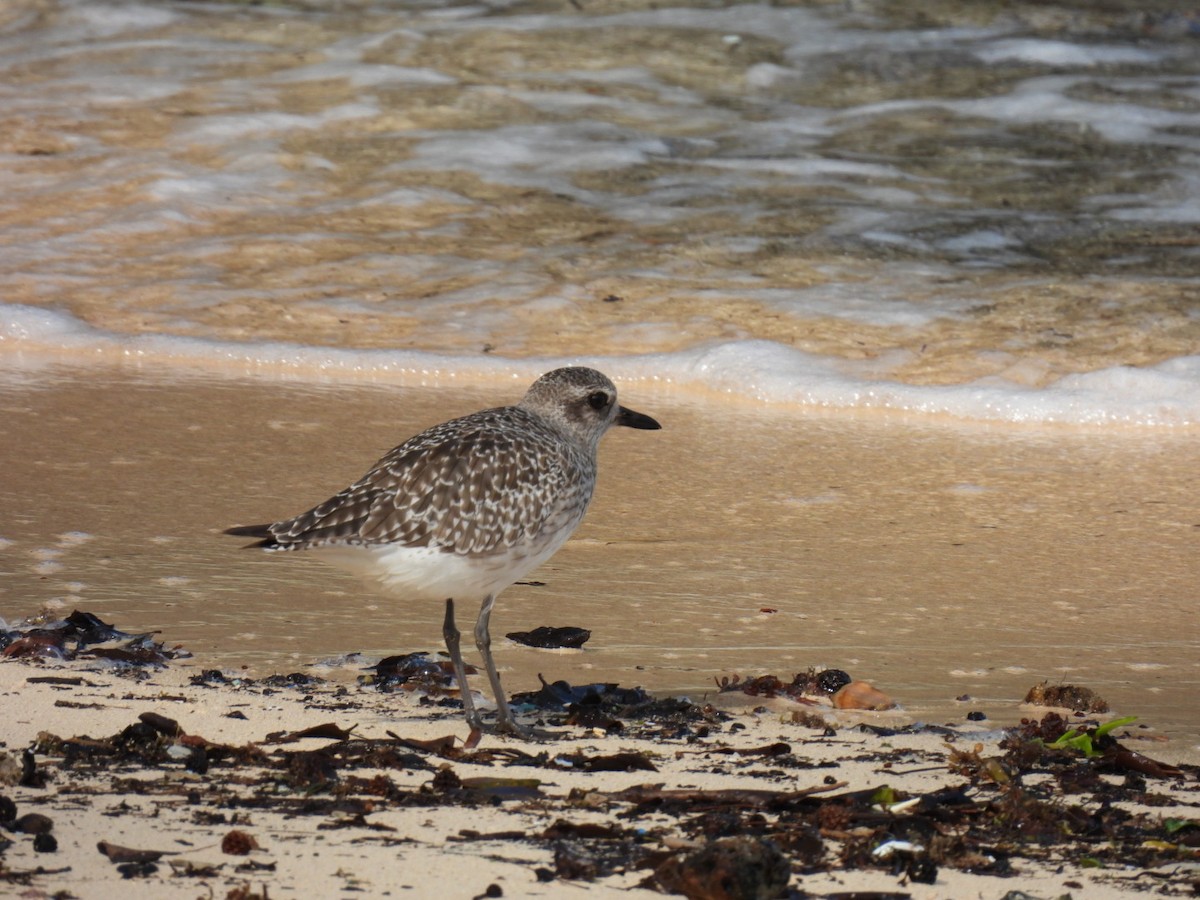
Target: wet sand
(936, 560)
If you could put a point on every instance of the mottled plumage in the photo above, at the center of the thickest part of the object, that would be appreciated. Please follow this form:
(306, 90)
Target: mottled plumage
(467, 507)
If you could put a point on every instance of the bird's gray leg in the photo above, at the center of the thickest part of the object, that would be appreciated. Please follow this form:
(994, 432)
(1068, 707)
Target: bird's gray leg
(505, 723)
(451, 634)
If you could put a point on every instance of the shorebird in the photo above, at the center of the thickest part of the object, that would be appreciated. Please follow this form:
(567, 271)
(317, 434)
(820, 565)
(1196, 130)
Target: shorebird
(466, 508)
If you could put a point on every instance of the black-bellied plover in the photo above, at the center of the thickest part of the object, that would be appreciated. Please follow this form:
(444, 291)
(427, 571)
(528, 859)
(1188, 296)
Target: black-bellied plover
(467, 507)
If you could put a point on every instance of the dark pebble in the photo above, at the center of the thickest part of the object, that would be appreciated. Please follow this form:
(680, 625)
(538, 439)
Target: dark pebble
(31, 776)
(33, 823)
(742, 866)
(8, 811)
(976, 715)
(550, 638)
(162, 724)
(833, 680)
(137, 869)
(45, 843)
(197, 762)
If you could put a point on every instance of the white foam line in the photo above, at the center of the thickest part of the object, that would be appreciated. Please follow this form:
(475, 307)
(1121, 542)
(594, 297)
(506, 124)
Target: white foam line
(758, 371)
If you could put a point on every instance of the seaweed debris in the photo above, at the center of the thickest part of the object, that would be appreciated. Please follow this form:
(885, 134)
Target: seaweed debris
(1070, 796)
(82, 635)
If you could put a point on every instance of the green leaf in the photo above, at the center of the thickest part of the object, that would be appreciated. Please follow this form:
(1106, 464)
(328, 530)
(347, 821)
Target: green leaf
(1173, 825)
(1104, 729)
(885, 796)
(1083, 741)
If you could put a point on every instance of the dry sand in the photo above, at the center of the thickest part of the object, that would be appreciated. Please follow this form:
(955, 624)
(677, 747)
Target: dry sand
(371, 815)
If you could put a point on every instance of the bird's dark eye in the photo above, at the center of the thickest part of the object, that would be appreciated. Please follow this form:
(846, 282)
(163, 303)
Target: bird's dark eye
(598, 400)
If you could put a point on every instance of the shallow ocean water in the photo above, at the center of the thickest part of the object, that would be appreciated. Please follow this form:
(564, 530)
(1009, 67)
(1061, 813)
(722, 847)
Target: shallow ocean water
(949, 209)
(915, 285)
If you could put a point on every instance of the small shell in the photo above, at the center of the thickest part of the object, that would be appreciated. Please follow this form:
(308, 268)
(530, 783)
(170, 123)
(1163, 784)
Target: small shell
(861, 695)
(888, 849)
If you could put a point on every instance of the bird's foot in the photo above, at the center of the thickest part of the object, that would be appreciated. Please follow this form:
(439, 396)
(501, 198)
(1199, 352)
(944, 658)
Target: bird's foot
(512, 728)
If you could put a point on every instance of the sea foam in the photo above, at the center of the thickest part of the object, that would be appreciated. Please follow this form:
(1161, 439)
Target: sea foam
(756, 372)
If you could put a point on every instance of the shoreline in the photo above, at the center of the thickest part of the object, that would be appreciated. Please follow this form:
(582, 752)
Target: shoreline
(760, 376)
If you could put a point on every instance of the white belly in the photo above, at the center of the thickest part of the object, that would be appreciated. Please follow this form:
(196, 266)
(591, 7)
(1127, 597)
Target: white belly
(421, 573)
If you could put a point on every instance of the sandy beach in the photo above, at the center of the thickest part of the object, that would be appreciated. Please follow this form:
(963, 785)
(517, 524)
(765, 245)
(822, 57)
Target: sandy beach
(911, 289)
(952, 567)
(938, 560)
(178, 780)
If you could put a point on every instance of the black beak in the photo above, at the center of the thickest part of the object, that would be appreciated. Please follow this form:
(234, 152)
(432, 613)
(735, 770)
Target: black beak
(635, 419)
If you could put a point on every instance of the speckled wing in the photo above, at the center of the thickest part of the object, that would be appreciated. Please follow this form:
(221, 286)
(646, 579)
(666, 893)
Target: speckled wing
(478, 485)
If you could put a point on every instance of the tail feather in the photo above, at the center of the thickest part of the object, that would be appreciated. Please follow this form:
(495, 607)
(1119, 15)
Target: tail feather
(254, 531)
